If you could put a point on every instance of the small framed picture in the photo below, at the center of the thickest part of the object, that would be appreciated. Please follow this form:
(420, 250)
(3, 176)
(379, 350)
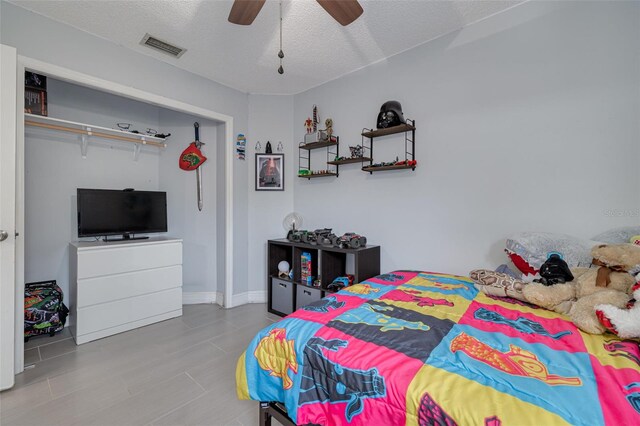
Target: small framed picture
(269, 172)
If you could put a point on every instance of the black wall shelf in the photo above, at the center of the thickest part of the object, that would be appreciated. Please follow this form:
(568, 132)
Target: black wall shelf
(318, 175)
(304, 157)
(371, 169)
(349, 161)
(315, 145)
(390, 130)
(409, 130)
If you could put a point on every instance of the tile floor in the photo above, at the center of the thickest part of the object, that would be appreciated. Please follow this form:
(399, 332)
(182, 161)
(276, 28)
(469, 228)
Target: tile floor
(177, 372)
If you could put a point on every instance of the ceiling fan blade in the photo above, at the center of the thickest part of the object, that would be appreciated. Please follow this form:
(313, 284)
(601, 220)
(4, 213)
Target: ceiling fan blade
(243, 12)
(343, 11)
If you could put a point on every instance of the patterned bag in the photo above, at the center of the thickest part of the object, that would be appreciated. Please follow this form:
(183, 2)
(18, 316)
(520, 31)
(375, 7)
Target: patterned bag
(44, 312)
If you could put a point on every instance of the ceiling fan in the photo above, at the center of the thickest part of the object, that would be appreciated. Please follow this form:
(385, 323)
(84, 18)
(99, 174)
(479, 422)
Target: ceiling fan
(243, 12)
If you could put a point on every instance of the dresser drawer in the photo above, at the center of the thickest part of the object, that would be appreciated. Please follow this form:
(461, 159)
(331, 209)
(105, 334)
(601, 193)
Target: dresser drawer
(118, 312)
(122, 259)
(107, 288)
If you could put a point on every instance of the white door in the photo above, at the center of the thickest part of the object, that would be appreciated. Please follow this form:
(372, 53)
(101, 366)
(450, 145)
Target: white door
(8, 84)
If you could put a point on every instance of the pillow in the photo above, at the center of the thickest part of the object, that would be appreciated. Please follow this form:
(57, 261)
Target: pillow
(618, 235)
(529, 250)
(498, 284)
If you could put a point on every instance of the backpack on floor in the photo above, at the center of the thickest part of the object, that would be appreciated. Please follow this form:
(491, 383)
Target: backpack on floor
(44, 312)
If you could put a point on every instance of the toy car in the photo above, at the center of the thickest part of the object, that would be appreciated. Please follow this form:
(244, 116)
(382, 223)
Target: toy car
(319, 236)
(350, 240)
(324, 236)
(341, 282)
(296, 236)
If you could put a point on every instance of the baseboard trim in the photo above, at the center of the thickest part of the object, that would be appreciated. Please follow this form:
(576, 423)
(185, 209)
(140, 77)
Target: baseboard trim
(197, 297)
(249, 297)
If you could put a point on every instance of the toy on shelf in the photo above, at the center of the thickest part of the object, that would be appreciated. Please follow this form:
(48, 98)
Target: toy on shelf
(329, 126)
(306, 268)
(350, 240)
(384, 164)
(283, 269)
(410, 163)
(341, 282)
(308, 124)
(356, 151)
(296, 235)
(322, 236)
(308, 173)
(315, 119)
(390, 115)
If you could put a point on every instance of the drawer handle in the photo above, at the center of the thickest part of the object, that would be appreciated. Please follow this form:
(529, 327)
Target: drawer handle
(282, 285)
(307, 292)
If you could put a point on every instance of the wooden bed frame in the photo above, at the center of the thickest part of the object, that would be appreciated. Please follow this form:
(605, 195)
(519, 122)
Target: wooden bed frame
(274, 409)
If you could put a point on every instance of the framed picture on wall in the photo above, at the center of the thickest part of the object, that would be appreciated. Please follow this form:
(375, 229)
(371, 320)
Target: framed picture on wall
(269, 172)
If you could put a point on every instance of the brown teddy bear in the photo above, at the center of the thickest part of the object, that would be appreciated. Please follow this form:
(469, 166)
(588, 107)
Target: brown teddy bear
(610, 284)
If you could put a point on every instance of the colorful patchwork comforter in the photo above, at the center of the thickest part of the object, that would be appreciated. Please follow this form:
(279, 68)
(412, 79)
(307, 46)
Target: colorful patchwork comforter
(421, 348)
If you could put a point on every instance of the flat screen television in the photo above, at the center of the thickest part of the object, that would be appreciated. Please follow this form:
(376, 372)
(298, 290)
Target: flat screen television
(107, 212)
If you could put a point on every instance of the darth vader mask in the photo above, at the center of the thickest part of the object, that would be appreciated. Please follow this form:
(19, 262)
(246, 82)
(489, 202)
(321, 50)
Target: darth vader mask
(390, 115)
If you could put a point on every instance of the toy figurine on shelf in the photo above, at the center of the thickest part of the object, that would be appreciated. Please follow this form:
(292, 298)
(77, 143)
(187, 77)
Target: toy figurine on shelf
(308, 124)
(304, 172)
(411, 163)
(329, 126)
(283, 269)
(315, 119)
(356, 151)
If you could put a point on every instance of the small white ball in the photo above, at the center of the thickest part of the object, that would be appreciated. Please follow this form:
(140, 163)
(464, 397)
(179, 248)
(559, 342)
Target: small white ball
(283, 266)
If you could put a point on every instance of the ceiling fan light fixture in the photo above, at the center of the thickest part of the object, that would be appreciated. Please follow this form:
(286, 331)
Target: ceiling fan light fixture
(280, 53)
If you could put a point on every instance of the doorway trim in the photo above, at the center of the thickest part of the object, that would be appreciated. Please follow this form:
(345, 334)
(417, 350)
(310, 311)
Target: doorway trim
(78, 78)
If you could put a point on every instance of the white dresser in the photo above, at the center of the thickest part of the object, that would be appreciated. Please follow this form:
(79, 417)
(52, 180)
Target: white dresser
(119, 286)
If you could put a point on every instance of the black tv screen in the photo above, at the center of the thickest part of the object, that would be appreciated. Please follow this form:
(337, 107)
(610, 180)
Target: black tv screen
(104, 212)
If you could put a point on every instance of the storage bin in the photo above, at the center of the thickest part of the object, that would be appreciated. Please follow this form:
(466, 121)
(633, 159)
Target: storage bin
(307, 295)
(282, 296)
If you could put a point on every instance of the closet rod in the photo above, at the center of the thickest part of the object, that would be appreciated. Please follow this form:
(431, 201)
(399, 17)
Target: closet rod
(98, 134)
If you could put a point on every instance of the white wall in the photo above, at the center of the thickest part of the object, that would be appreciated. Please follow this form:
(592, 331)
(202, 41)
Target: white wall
(196, 228)
(44, 39)
(527, 120)
(269, 120)
(54, 169)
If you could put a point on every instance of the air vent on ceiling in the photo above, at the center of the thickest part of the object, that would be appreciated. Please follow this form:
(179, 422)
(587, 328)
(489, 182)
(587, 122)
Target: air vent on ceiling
(162, 46)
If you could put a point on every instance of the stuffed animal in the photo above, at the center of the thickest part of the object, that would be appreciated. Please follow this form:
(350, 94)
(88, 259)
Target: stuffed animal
(610, 284)
(624, 323)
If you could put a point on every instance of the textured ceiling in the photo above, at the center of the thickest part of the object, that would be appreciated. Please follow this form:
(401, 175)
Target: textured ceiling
(317, 49)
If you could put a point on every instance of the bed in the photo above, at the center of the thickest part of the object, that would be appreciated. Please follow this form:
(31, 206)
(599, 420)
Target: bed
(421, 348)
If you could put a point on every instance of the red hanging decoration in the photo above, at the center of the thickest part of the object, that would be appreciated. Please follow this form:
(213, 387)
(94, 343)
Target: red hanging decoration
(191, 158)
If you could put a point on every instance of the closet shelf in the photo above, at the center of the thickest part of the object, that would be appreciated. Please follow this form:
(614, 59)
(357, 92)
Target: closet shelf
(83, 129)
